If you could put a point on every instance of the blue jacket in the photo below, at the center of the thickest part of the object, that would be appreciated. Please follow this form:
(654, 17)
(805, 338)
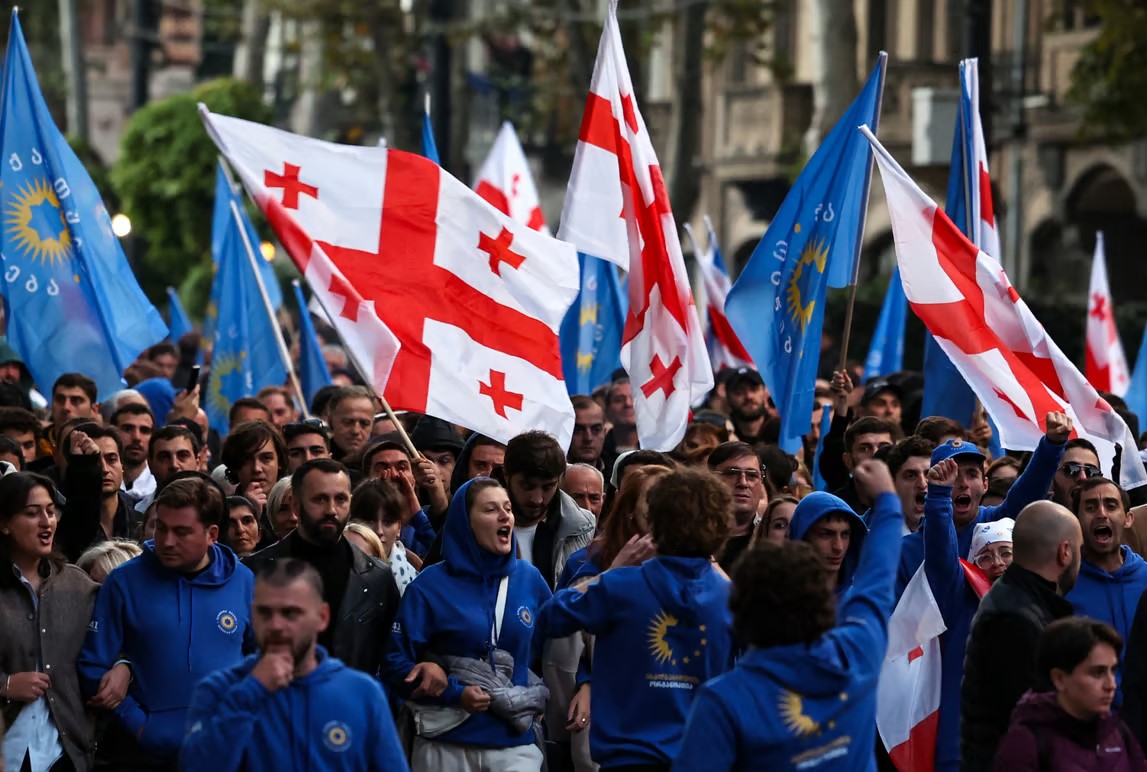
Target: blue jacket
(449, 609)
(813, 507)
(806, 706)
(332, 718)
(663, 629)
(1030, 486)
(418, 535)
(174, 630)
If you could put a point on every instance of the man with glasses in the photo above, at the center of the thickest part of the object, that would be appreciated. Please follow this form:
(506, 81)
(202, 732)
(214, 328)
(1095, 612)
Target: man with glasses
(306, 440)
(739, 467)
(1080, 462)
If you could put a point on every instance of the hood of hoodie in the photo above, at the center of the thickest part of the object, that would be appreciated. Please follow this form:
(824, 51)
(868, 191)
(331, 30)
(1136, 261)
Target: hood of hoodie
(685, 586)
(460, 550)
(816, 670)
(8, 354)
(434, 434)
(160, 396)
(819, 504)
(462, 465)
(1042, 709)
(1134, 569)
(218, 571)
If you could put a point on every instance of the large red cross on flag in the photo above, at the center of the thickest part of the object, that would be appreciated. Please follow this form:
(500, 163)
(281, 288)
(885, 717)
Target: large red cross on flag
(506, 182)
(1105, 363)
(617, 209)
(392, 243)
(980, 321)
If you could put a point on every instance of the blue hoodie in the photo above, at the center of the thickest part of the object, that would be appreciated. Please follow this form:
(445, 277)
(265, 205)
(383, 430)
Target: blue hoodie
(1111, 598)
(174, 630)
(332, 718)
(817, 505)
(449, 609)
(663, 629)
(806, 705)
(1030, 486)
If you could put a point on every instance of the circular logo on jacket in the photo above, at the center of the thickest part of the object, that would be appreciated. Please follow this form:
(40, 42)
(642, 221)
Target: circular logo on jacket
(336, 736)
(525, 616)
(227, 622)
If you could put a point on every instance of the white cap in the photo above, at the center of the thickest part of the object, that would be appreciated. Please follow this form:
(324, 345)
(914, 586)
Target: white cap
(986, 534)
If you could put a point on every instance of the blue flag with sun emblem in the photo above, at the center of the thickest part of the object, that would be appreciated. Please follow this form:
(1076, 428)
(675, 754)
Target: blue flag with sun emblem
(591, 332)
(245, 356)
(72, 302)
(776, 307)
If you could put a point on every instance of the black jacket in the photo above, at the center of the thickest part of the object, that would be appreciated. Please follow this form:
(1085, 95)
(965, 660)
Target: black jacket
(1134, 684)
(1000, 662)
(362, 630)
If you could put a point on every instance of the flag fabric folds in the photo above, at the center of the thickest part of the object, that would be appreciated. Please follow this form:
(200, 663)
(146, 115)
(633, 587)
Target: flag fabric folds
(886, 352)
(825, 423)
(591, 330)
(617, 208)
(313, 372)
(178, 322)
(72, 302)
(429, 145)
(1136, 394)
(776, 306)
(1104, 360)
(980, 321)
(420, 276)
(505, 180)
(725, 348)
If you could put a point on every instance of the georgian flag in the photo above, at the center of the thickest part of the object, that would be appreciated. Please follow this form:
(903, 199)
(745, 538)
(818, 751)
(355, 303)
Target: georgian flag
(506, 182)
(1105, 362)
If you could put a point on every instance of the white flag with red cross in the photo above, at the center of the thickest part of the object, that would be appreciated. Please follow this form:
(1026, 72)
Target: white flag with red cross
(725, 348)
(980, 321)
(1105, 363)
(617, 208)
(474, 298)
(985, 230)
(505, 181)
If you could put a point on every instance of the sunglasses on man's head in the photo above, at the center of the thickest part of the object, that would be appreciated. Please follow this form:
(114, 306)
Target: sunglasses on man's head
(1073, 468)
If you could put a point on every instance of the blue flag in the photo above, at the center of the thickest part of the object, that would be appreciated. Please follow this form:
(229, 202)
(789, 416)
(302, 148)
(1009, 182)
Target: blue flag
(886, 354)
(246, 356)
(1136, 394)
(776, 306)
(179, 323)
(818, 482)
(313, 372)
(591, 332)
(72, 301)
(429, 146)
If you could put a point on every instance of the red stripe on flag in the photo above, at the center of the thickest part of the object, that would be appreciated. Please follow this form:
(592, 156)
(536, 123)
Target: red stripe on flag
(495, 197)
(918, 752)
(723, 332)
(915, 654)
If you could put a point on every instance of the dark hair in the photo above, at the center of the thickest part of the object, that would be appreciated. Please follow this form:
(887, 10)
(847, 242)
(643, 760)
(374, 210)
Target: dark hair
(14, 492)
(1094, 482)
(897, 455)
(584, 402)
(131, 408)
(779, 466)
(308, 426)
(234, 502)
(935, 427)
(99, 431)
(373, 500)
(1001, 462)
(11, 395)
(9, 445)
(1080, 442)
(322, 398)
(1067, 642)
(172, 432)
(998, 487)
(246, 439)
(779, 596)
(689, 513)
(727, 451)
(343, 393)
(267, 391)
(194, 491)
(286, 571)
(245, 403)
(644, 458)
(19, 420)
(762, 528)
(534, 454)
(870, 425)
(159, 349)
(478, 485)
(321, 465)
(389, 441)
(76, 381)
(619, 526)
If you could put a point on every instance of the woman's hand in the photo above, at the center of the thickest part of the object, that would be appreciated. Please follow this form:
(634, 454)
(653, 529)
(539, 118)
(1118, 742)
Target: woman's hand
(578, 715)
(635, 552)
(475, 699)
(26, 687)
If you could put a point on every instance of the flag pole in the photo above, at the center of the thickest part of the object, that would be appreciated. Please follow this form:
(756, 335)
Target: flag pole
(882, 63)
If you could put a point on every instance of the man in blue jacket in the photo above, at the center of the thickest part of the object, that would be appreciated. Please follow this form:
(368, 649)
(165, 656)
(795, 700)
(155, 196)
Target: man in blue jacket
(176, 613)
(804, 695)
(292, 706)
(836, 534)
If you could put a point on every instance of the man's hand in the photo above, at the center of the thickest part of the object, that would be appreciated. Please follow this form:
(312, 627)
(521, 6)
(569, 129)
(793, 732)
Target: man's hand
(186, 405)
(431, 680)
(426, 476)
(873, 478)
(275, 669)
(26, 687)
(1058, 427)
(635, 552)
(475, 700)
(944, 473)
(113, 688)
(841, 387)
(407, 490)
(578, 715)
(256, 493)
(80, 444)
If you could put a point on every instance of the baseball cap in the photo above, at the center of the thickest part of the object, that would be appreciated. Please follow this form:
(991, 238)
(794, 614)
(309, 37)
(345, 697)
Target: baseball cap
(878, 386)
(955, 448)
(745, 375)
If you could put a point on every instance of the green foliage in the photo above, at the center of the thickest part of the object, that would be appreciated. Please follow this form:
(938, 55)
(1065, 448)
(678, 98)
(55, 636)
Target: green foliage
(165, 178)
(1110, 78)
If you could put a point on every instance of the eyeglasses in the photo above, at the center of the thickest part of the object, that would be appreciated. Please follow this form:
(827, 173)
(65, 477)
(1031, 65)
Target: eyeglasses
(987, 559)
(1073, 468)
(732, 474)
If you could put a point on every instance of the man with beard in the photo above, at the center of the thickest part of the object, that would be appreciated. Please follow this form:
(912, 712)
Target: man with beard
(999, 666)
(739, 467)
(1080, 461)
(359, 590)
(135, 423)
(622, 417)
(748, 404)
(243, 717)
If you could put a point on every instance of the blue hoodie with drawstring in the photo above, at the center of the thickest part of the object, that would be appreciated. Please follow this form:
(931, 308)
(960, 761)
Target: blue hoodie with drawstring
(175, 630)
(817, 505)
(449, 609)
(332, 718)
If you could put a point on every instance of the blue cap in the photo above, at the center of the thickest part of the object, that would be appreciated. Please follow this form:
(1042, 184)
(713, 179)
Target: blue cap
(954, 448)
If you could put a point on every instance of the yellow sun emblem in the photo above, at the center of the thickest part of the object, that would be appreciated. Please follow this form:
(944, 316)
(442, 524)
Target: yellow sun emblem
(35, 222)
(792, 713)
(658, 629)
(814, 253)
(223, 365)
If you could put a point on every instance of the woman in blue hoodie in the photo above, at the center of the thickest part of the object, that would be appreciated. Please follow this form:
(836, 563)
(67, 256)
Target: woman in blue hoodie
(662, 627)
(478, 599)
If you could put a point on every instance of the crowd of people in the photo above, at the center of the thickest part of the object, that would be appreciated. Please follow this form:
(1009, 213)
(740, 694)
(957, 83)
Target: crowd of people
(339, 587)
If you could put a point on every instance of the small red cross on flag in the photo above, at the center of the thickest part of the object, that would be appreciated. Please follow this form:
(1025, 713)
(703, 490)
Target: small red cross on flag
(499, 251)
(505, 181)
(499, 395)
(1104, 360)
(291, 185)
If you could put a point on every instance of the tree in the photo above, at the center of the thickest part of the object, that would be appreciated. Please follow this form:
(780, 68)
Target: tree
(1110, 77)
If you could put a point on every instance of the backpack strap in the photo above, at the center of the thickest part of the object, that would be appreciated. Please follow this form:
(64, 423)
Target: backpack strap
(1042, 745)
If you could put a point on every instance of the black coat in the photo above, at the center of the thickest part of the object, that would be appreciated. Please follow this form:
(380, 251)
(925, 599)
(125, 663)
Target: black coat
(1000, 662)
(362, 630)
(1134, 684)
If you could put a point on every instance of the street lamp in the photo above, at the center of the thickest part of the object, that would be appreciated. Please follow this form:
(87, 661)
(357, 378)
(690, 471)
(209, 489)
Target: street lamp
(267, 249)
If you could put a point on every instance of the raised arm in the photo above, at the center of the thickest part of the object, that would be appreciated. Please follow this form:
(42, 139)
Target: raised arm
(941, 547)
(1035, 481)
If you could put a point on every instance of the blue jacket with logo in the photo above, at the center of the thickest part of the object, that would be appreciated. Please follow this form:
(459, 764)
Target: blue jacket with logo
(807, 705)
(174, 630)
(332, 718)
(663, 629)
(818, 505)
(449, 609)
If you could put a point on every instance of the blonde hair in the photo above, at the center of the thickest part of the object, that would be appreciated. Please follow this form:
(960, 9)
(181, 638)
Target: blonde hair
(276, 495)
(369, 536)
(107, 555)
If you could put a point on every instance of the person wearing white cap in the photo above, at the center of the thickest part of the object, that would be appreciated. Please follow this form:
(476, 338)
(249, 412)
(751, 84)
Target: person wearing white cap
(991, 550)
